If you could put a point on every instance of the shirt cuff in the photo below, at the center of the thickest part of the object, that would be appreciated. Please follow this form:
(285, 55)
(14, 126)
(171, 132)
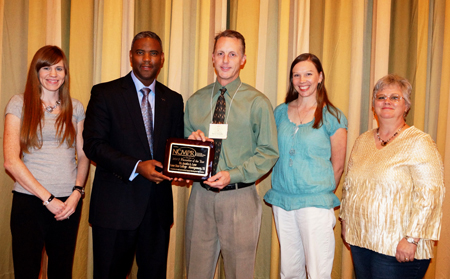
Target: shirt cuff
(235, 176)
(134, 174)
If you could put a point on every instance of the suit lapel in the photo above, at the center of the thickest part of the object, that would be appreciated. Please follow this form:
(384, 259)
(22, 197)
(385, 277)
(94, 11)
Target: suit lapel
(131, 101)
(160, 116)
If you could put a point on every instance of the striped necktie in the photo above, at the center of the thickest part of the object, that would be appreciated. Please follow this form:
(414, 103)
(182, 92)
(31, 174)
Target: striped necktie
(219, 118)
(147, 116)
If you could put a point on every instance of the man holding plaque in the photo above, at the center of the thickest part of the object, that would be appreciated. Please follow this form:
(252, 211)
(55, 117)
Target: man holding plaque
(128, 121)
(224, 211)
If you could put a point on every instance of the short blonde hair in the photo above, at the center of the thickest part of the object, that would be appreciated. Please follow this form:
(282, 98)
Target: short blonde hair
(394, 80)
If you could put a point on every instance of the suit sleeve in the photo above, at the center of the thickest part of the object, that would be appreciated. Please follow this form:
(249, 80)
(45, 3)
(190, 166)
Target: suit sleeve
(97, 138)
(179, 118)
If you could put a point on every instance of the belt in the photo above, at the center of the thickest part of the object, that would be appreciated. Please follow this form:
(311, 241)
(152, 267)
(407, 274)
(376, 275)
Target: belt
(232, 186)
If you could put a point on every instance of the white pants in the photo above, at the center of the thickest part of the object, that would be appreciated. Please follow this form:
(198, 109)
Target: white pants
(306, 240)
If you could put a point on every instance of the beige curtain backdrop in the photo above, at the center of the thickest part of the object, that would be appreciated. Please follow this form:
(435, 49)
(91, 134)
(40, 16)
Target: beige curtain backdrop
(358, 41)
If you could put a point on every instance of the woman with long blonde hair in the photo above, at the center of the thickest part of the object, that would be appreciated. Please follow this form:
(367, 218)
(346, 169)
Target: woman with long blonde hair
(43, 154)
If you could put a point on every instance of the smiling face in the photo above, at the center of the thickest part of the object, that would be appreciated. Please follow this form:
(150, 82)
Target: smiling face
(52, 77)
(228, 58)
(146, 58)
(385, 108)
(305, 79)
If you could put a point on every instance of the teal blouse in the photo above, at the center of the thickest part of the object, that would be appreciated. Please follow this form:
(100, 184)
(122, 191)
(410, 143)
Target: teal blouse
(303, 176)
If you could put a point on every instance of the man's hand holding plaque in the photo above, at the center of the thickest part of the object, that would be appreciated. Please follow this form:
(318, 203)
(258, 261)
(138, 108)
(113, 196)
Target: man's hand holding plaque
(220, 179)
(148, 170)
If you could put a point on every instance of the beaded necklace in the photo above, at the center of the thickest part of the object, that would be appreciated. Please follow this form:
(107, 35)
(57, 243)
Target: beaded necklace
(383, 142)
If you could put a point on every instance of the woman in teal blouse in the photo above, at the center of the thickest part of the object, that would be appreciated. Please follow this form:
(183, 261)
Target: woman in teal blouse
(312, 139)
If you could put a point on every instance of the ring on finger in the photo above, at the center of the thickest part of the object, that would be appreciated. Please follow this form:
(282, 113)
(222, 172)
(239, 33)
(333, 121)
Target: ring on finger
(406, 258)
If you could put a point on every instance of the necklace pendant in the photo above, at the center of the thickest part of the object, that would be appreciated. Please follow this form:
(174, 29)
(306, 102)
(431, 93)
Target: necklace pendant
(50, 109)
(382, 142)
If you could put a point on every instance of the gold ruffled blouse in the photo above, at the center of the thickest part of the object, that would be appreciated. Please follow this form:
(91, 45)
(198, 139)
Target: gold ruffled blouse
(392, 192)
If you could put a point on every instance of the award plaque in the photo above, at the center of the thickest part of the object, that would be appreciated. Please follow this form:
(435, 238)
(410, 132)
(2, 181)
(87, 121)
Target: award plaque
(188, 159)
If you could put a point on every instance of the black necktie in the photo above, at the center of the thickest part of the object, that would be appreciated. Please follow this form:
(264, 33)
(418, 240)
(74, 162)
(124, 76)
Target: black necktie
(147, 116)
(219, 118)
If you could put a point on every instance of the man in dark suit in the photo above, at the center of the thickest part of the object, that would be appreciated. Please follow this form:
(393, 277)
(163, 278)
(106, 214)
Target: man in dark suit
(125, 132)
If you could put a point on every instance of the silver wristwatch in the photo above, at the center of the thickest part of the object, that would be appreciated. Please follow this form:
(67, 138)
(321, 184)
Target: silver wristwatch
(411, 240)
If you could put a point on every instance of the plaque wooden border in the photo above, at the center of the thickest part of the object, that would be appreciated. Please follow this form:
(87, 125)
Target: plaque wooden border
(188, 159)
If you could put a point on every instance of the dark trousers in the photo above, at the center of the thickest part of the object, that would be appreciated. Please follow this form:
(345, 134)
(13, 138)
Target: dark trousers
(114, 250)
(33, 227)
(369, 264)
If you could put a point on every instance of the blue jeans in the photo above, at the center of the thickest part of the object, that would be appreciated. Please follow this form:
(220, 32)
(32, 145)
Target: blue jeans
(369, 264)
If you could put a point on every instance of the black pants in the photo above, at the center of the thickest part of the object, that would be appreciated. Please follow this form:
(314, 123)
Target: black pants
(34, 227)
(114, 250)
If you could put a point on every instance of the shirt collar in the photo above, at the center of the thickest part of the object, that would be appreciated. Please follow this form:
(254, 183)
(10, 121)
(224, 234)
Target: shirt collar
(231, 87)
(139, 85)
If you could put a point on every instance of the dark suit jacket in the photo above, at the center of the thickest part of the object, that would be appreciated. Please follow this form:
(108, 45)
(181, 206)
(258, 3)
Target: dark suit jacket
(115, 139)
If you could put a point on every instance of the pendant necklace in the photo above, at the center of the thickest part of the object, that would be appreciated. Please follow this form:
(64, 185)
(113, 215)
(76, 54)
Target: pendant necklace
(292, 150)
(384, 143)
(307, 113)
(50, 109)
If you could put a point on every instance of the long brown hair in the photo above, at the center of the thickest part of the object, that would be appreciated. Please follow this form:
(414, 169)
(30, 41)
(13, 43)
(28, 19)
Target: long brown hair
(32, 112)
(321, 96)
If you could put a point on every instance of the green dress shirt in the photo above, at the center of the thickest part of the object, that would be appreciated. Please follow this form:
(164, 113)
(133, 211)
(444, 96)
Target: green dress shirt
(251, 148)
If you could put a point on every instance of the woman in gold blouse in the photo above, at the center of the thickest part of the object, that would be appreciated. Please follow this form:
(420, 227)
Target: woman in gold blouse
(392, 197)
